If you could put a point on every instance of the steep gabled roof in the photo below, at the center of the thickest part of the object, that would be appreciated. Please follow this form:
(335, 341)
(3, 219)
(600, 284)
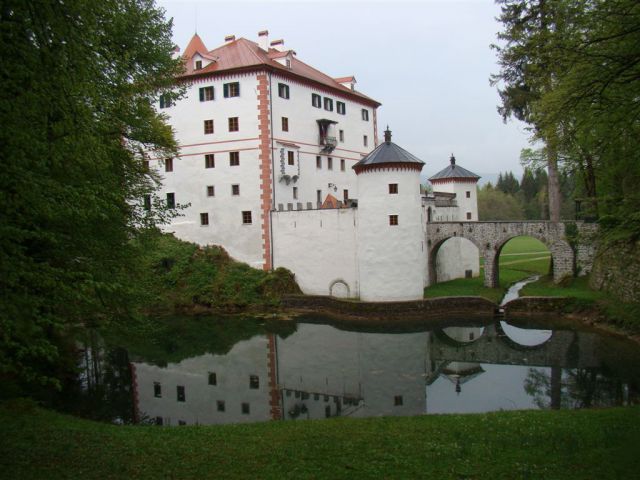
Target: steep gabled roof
(453, 172)
(244, 54)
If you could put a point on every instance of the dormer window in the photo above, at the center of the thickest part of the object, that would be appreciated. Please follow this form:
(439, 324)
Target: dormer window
(288, 63)
(198, 65)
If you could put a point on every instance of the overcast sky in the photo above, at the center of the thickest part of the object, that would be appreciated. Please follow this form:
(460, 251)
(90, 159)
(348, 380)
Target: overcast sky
(428, 62)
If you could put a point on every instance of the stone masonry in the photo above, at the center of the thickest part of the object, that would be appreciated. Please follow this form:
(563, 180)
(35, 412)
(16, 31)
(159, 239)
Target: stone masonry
(490, 237)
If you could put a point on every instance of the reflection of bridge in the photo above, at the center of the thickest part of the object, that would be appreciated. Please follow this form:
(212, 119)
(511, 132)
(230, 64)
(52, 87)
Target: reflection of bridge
(490, 237)
(564, 349)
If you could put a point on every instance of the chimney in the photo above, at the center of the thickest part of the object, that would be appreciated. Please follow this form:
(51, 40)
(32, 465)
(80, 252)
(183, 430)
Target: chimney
(278, 45)
(263, 40)
(229, 38)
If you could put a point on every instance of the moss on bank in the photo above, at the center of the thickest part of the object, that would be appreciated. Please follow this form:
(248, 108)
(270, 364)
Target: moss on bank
(39, 444)
(183, 277)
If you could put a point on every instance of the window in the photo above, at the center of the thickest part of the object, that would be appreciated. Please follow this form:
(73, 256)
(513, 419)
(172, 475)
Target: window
(165, 101)
(220, 405)
(393, 188)
(283, 90)
(318, 162)
(245, 409)
(213, 378)
(158, 420)
(246, 217)
(365, 114)
(285, 124)
(316, 100)
(181, 422)
(206, 94)
(231, 89)
(211, 191)
(198, 64)
(234, 125)
(468, 215)
(319, 196)
(254, 382)
(147, 202)
(365, 140)
(209, 160)
(157, 390)
(291, 160)
(180, 392)
(168, 165)
(171, 200)
(327, 411)
(330, 163)
(468, 194)
(341, 135)
(328, 104)
(397, 400)
(342, 165)
(234, 159)
(345, 195)
(295, 193)
(145, 166)
(204, 219)
(208, 127)
(235, 189)
(341, 108)
(393, 220)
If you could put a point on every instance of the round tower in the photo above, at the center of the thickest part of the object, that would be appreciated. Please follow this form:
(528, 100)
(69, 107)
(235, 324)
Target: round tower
(390, 230)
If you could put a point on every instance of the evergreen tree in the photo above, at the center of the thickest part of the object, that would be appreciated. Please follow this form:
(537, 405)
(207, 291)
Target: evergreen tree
(80, 80)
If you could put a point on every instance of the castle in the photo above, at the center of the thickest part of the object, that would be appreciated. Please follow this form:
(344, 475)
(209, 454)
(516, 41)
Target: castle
(281, 165)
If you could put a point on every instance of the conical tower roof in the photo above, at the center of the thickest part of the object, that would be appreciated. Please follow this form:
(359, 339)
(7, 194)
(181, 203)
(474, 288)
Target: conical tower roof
(454, 172)
(388, 154)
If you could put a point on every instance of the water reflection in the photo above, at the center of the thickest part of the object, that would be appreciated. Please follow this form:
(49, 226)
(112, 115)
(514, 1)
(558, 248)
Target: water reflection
(320, 371)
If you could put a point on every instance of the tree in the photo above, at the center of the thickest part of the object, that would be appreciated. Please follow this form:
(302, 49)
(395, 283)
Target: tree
(494, 204)
(80, 80)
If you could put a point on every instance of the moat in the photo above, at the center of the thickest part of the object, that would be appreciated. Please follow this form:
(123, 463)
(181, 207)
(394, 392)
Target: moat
(312, 369)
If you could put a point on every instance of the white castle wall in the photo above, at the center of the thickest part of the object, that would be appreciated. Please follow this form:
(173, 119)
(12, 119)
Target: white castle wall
(391, 259)
(190, 178)
(304, 132)
(319, 246)
(455, 257)
(200, 406)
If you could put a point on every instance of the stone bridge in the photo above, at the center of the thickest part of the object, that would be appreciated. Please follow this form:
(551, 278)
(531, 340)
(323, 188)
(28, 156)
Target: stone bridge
(490, 237)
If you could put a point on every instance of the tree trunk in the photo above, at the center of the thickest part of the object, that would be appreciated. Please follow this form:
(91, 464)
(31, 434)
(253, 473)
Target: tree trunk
(554, 181)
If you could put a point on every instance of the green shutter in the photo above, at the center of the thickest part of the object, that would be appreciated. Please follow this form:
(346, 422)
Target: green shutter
(202, 94)
(226, 90)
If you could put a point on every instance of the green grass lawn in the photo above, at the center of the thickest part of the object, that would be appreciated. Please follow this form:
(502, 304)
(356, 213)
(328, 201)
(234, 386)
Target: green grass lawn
(39, 444)
(520, 258)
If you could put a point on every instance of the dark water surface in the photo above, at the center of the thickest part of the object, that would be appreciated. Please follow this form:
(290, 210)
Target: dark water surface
(312, 369)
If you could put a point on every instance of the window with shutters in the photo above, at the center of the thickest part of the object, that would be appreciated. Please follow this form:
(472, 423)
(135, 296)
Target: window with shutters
(283, 90)
(206, 94)
(341, 108)
(209, 160)
(208, 127)
(234, 159)
(165, 101)
(328, 104)
(365, 114)
(231, 89)
(316, 100)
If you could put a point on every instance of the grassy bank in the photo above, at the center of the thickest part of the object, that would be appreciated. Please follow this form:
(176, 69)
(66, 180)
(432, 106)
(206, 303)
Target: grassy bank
(39, 444)
(181, 277)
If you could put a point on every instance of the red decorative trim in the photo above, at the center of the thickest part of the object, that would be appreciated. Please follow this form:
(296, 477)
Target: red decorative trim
(375, 126)
(219, 141)
(272, 369)
(264, 157)
(454, 179)
(387, 167)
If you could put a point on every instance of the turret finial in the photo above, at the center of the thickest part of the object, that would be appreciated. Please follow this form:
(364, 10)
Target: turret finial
(387, 135)
(452, 160)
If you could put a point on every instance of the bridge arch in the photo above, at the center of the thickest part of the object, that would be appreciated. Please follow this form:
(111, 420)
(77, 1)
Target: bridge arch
(434, 249)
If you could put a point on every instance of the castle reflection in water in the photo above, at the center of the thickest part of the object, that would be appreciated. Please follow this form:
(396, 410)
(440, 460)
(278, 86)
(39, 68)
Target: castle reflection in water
(321, 371)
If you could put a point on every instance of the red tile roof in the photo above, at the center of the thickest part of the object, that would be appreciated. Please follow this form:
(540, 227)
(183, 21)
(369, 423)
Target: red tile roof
(345, 79)
(243, 54)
